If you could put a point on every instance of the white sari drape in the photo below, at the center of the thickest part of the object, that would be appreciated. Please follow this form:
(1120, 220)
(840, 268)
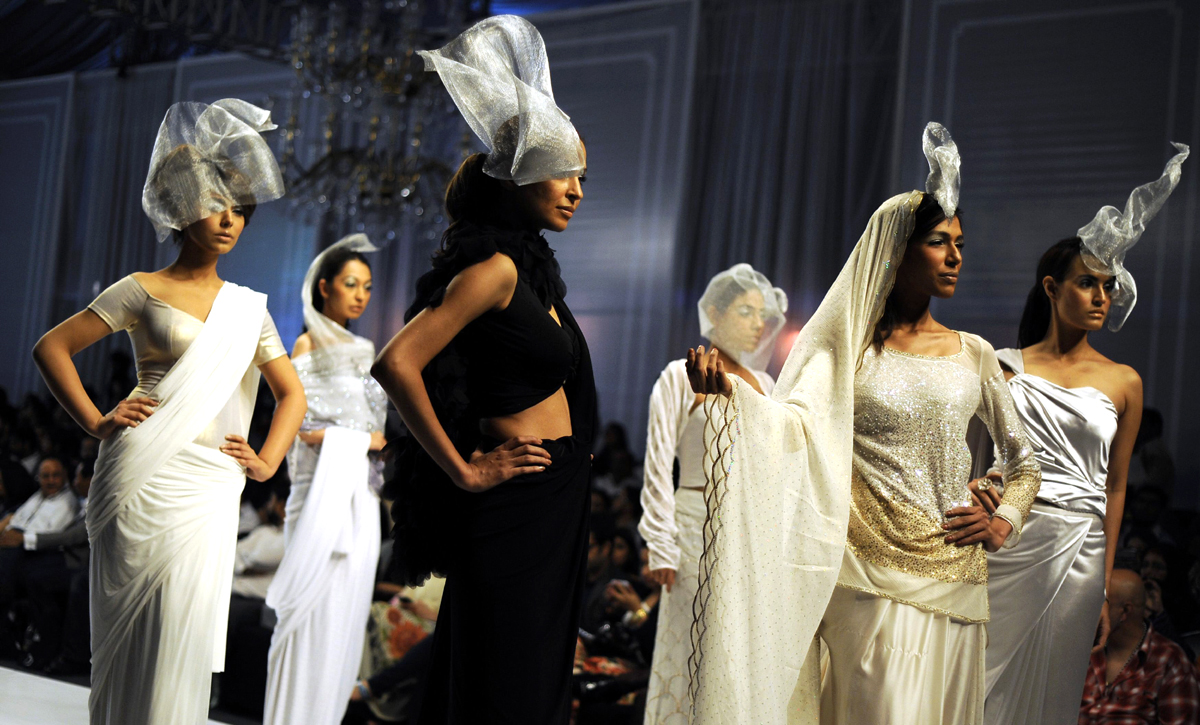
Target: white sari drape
(778, 504)
(162, 520)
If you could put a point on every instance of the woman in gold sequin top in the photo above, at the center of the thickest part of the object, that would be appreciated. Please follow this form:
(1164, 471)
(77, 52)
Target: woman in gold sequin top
(856, 476)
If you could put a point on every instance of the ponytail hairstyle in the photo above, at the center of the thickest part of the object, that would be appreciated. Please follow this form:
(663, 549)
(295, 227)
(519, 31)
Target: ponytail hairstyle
(473, 196)
(1035, 319)
(928, 216)
(330, 268)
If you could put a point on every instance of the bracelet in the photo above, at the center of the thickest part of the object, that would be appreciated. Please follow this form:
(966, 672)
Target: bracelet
(363, 691)
(640, 616)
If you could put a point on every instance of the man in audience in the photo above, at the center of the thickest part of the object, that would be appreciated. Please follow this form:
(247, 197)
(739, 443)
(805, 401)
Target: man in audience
(1140, 676)
(47, 571)
(599, 572)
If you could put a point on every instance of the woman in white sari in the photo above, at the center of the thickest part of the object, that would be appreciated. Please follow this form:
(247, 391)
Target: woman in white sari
(1082, 411)
(743, 314)
(837, 505)
(322, 590)
(163, 510)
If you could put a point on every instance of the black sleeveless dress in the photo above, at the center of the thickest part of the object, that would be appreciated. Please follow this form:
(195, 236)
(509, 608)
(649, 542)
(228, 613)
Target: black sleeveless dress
(514, 557)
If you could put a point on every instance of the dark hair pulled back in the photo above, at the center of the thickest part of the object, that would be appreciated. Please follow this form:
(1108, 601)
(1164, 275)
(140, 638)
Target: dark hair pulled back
(928, 216)
(473, 196)
(330, 268)
(1055, 263)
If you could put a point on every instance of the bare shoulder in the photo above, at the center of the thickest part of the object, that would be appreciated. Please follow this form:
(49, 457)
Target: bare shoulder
(303, 345)
(493, 279)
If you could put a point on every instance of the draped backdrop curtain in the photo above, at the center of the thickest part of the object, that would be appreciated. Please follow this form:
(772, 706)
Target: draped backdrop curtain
(792, 138)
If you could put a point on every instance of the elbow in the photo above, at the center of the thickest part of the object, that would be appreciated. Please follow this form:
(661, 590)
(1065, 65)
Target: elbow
(41, 352)
(387, 371)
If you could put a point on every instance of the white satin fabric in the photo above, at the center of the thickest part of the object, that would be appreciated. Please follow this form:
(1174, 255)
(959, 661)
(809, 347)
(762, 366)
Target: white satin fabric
(891, 663)
(162, 519)
(322, 590)
(1046, 595)
(1046, 598)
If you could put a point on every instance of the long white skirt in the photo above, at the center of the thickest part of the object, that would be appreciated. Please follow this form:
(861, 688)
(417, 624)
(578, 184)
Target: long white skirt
(667, 700)
(1046, 596)
(892, 663)
(313, 666)
(161, 573)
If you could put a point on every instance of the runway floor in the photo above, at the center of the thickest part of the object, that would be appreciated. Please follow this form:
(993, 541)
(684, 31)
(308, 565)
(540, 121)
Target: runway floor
(29, 699)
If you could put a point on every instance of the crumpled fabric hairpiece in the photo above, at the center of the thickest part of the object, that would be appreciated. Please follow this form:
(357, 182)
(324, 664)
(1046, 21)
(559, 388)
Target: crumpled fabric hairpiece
(722, 290)
(322, 330)
(206, 159)
(945, 176)
(498, 74)
(1111, 233)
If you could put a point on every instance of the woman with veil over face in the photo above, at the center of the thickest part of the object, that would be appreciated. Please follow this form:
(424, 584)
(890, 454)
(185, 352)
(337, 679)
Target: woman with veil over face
(1082, 412)
(492, 377)
(322, 590)
(840, 506)
(741, 314)
(162, 513)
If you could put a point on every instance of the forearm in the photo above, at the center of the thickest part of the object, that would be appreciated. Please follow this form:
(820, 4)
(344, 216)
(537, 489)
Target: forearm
(406, 389)
(1113, 511)
(285, 424)
(53, 360)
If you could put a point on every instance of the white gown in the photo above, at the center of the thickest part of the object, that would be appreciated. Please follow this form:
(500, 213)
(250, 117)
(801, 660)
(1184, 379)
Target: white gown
(1047, 594)
(163, 510)
(671, 526)
(322, 590)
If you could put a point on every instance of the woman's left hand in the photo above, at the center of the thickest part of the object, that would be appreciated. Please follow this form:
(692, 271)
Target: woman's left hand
(621, 593)
(969, 525)
(256, 468)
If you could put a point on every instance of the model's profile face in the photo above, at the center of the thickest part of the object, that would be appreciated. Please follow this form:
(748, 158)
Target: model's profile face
(217, 233)
(52, 477)
(346, 298)
(552, 203)
(932, 262)
(1083, 298)
(740, 327)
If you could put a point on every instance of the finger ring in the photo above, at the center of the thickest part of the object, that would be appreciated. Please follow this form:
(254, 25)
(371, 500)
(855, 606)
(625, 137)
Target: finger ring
(985, 484)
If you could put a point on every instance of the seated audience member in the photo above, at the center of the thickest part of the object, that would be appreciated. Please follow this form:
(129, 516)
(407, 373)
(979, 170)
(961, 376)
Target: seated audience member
(47, 571)
(400, 645)
(626, 507)
(1140, 676)
(626, 557)
(622, 473)
(260, 551)
(615, 440)
(601, 502)
(22, 448)
(599, 572)
(1151, 464)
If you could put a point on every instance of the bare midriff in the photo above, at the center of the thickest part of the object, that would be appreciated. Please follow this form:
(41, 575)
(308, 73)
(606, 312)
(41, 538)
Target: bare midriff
(548, 420)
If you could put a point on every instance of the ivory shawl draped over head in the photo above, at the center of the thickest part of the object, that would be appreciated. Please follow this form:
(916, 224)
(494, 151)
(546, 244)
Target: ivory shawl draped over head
(779, 498)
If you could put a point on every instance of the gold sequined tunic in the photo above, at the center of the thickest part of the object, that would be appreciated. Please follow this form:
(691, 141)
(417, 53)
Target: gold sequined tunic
(912, 464)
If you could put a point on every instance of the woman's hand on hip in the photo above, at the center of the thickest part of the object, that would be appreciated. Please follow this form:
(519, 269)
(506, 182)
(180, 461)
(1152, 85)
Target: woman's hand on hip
(129, 413)
(515, 457)
(256, 468)
(967, 525)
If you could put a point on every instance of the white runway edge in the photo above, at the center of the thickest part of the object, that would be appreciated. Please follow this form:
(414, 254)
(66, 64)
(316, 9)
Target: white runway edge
(32, 700)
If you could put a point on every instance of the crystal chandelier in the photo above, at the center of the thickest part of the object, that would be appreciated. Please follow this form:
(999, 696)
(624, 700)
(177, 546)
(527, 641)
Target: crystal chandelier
(369, 137)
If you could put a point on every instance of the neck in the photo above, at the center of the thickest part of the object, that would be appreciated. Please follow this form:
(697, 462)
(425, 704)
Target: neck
(1127, 637)
(731, 365)
(193, 263)
(1064, 341)
(912, 311)
(340, 321)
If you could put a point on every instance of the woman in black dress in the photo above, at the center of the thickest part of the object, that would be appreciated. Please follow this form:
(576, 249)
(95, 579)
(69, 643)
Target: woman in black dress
(492, 377)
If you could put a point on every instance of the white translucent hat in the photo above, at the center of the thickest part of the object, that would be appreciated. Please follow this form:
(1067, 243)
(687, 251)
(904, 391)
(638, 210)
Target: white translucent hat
(1111, 233)
(499, 77)
(208, 158)
(722, 292)
(945, 167)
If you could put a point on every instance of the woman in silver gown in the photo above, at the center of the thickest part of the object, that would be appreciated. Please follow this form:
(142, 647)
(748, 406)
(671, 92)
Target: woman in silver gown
(1082, 412)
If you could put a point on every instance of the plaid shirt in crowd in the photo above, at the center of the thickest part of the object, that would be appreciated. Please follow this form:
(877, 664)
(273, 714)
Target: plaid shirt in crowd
(1158, 685)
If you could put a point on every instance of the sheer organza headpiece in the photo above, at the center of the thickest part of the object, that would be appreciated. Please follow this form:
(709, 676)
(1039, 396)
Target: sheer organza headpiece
(945, 177)
(499, 77)
(722, 292)
(1112, 233)
(208, 158)
(324, 331)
